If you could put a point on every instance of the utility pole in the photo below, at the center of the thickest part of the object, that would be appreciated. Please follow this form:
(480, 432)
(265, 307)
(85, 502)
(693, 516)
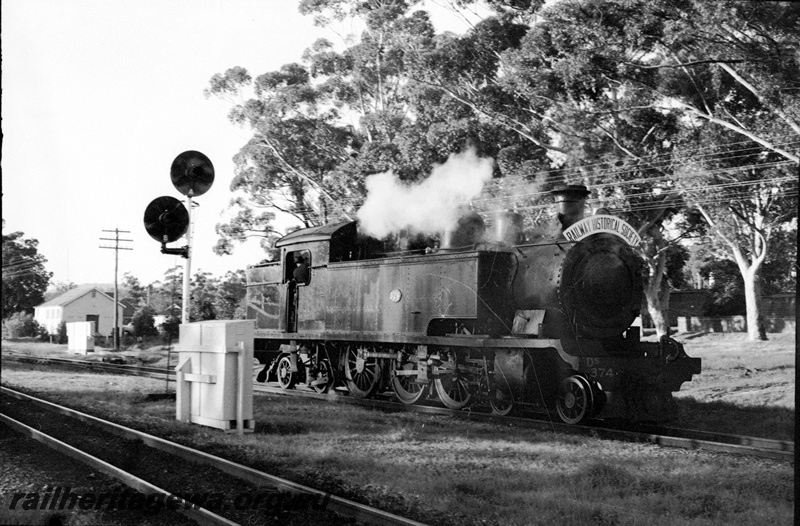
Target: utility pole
(116, 249)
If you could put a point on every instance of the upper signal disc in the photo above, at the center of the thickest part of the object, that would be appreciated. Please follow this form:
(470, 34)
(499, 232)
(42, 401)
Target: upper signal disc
(192, 173)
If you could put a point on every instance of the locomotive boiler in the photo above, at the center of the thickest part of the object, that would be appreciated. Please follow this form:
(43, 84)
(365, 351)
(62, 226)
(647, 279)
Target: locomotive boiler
(487, 318)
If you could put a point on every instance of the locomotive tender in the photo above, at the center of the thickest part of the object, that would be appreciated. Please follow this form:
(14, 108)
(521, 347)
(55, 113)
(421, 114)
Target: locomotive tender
(485, 319)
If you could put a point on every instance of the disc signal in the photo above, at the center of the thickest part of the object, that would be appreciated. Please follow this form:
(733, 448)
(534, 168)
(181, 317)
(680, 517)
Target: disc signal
(192, 173)
(166, 220)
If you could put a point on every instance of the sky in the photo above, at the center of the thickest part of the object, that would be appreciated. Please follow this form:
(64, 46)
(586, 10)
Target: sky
(100, 97)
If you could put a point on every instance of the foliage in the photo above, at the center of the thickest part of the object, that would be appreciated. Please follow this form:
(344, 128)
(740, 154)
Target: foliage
(25, 279)
(625, 92)
(135, 291)
(144, 323)
(677, 257)
(656, 105)
(171, 327)
(202, 297)
(319, 129)
(164, 295)
(230, 296)
(61, 333)
(779, 273)
(727, 287)
(21, 325)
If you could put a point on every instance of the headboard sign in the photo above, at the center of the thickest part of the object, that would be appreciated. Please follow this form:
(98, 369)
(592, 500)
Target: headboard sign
(603, 224)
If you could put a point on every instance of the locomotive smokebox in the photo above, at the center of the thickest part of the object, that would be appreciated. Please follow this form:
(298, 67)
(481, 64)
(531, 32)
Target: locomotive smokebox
(469, 230)
(507, 228)
(570, 201)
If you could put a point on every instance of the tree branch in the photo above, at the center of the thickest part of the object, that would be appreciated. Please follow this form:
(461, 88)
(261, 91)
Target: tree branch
(512, 124)
(304, 177)
(776, 110)
(739, 130)
(686, 64)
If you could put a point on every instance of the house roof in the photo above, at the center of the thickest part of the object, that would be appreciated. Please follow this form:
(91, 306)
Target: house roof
(71, 295)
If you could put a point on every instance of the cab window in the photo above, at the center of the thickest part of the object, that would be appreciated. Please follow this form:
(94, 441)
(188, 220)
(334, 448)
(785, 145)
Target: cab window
(298, 267)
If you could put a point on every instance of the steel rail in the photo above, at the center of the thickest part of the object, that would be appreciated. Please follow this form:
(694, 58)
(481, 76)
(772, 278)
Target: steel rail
(184, 507)
(340, 505)
(89, 364)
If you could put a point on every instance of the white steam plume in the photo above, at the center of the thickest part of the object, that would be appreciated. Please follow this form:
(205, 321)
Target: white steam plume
(432, 205)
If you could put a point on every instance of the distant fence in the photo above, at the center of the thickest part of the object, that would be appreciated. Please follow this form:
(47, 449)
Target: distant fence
(732, 324)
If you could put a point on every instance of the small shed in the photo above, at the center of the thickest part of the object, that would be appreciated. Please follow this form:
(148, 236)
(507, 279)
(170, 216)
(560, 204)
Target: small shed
(79, 304)
(688, 303)
(782, 305)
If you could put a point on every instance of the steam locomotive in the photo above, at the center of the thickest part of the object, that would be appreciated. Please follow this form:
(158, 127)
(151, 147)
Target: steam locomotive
(487, 318)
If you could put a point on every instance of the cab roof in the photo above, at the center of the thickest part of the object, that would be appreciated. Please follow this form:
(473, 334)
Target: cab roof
(318, 233)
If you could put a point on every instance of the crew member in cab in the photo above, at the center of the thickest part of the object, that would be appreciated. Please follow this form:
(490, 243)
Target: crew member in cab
(301, 272)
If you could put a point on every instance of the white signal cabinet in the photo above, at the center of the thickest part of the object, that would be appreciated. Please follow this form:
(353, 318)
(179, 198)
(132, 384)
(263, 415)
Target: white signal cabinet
(80, 337)
(215, 374)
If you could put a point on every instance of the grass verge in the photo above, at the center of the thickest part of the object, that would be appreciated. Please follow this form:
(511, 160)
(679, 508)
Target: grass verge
(447, 471)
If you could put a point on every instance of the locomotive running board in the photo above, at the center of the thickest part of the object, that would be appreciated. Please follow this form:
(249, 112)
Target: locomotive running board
(460, 340)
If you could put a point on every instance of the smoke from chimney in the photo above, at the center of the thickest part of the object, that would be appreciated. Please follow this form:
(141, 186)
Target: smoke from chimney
(432, 205)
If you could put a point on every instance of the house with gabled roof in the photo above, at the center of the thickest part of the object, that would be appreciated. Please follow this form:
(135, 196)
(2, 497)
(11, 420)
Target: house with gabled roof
(79, 304)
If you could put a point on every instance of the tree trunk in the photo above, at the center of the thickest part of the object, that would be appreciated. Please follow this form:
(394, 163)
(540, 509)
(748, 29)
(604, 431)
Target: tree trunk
(656, 289)
(756, 328)
(658, 307)
(656, 294)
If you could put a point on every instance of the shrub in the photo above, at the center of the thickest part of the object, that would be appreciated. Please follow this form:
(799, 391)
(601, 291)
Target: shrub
(61, 333)
(170, 328)
(21, 325)
(144, 323)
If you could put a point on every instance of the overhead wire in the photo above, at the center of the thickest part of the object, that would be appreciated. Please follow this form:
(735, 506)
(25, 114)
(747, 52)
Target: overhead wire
(727, 152)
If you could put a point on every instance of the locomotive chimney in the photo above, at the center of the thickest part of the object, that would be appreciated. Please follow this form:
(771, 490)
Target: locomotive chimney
(570, 201)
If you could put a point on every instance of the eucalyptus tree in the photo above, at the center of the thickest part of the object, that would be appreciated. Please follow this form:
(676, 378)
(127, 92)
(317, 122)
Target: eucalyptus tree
(554, 84)
(296, 143)
(731, 68)
(321, 128)
(606, 86)
(747, 195)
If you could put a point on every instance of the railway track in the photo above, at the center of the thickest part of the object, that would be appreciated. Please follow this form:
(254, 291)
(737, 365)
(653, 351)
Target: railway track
(663, 436)
(659, 435)
(221, 470)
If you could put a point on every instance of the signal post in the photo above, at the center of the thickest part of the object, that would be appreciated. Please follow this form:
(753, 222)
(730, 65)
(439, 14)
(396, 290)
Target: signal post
(167, 220)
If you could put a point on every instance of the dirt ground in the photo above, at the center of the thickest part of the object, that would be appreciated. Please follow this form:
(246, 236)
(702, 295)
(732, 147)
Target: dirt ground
(742, 373)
